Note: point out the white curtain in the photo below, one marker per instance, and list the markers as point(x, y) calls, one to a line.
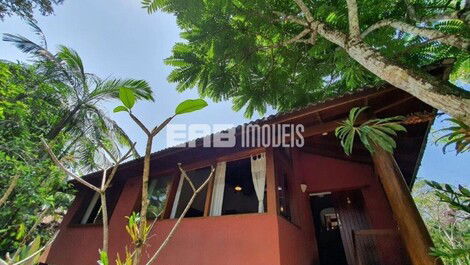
point(258, 172)
point(218, 192)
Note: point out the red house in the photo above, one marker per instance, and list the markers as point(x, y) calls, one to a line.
point(267, 205)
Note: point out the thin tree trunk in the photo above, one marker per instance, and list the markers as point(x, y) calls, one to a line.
point(104, 212)
point(11, 187)
point(144, 203)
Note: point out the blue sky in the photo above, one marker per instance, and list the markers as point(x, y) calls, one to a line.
point(117, 38)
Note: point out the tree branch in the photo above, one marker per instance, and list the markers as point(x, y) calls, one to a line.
point(157, 129)
point(67, 172)
point(449, 39)
point(290, 18)
point(305, 10)
point(116, 165)
point(11, 187)
point(191, 200)
point(353, 19)
point(185, 176)
point(138, 122)
point(298, 38)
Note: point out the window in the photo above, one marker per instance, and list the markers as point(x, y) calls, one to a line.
point(239, 191)
point(93, 212)
point(90, 211)
point(158, 194)
point(185, 192)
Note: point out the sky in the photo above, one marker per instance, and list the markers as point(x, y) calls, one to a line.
point(117, 38)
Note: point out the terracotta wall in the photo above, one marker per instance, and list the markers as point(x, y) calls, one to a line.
point(235, 239)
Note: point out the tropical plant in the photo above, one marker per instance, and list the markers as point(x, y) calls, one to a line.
point(83, 119)
point(29, 105)
point(373, 133)
point(458, 134)
point(25, 8)
point(289, 53)
point(128, 99)
point(446, 218)
point(458, 199)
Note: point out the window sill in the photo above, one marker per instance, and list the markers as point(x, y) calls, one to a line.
point(221, 216)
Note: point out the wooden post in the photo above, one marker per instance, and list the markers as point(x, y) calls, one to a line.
point(414, 234)
point(271, 192)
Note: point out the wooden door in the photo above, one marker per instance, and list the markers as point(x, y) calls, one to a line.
point(350, 208)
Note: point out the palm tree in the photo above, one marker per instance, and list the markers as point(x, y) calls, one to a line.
point(84, 122)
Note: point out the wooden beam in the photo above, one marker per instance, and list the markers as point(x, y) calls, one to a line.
point(411, 226)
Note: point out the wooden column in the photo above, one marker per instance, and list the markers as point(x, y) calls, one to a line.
point(271, 183)
point(414, 234)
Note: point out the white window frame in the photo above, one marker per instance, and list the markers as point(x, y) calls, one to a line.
point(177, 197)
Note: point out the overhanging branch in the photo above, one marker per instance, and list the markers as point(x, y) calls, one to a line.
point(449, 39)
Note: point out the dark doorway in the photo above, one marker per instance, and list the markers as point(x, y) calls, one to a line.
point(327, 230)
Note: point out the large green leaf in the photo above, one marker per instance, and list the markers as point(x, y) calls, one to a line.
point(190, 105)
point(120, 108)
point(127, 97)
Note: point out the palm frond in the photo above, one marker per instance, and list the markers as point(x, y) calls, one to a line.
point(38, 31)
point(74, 64)
point(457, 134)
point(110, 89)
point(27, 46)
point(372, 133)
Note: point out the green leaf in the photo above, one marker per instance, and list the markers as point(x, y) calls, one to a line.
point(103, 258)
point(190, 105)
point(21, 231)
point(127, 97)
point(120, 108)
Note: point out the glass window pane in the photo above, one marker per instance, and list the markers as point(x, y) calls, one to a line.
point(239, 192)
point(158, 194)
point(198, 177)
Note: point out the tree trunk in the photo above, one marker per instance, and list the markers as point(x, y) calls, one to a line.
point(144, 203)
point(62, 123)
point(411, 227)
point(436, 93)
point(104, 215)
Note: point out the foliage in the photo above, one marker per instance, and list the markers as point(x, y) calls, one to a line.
point(372, 133)
point(233, 49)
point(25, 8)
point(458, 199)
point(448, 225)
point(28, 107)
point(457, 134)
point(27, 255)
point(83, 119)
point(190, 105)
